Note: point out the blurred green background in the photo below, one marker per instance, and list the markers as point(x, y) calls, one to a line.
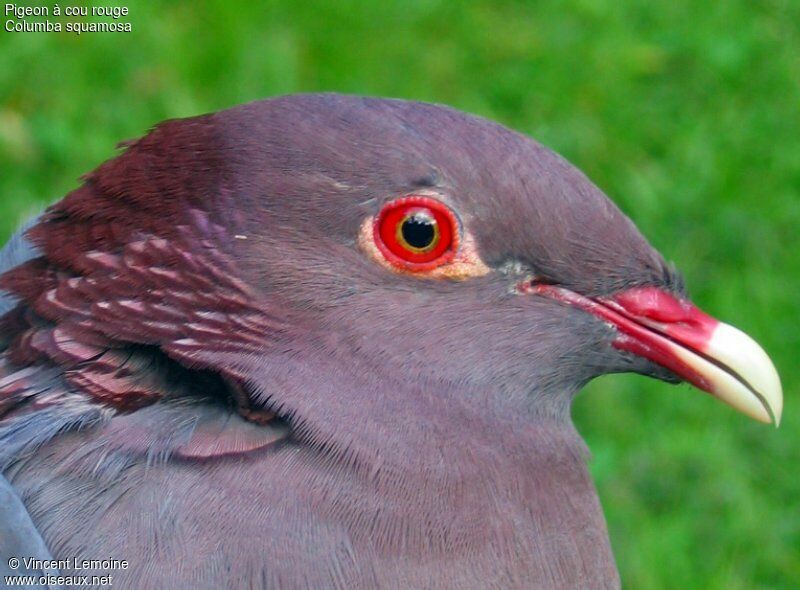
point(685, 113)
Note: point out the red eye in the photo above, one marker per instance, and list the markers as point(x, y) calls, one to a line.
point(417, 233)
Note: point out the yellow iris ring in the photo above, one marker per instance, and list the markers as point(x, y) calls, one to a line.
point(427, 217)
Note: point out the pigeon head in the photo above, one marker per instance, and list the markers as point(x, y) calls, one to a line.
point(367, 268)
point(524, 282)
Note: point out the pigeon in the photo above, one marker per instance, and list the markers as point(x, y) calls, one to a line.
point(328, 341)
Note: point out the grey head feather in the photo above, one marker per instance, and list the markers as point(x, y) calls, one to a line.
point(18, 250)
point(19, 538)
point(18, 535)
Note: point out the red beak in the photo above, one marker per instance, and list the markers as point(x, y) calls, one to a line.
point(698, 348)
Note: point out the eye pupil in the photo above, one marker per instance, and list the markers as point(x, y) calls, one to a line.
point(419, 230)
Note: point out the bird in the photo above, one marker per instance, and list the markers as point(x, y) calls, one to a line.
point(331, 341)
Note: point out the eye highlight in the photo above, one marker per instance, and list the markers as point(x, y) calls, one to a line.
point(416, 233)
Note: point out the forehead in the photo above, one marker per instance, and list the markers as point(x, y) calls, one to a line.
point(525, 203)
point(342, 157)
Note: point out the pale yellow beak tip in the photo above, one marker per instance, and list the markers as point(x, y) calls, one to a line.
point(742, 375)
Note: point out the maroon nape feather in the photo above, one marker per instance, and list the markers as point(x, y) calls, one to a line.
point(179, 293)
point(29, 280)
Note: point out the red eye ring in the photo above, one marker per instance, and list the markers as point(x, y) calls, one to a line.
point(416, 233)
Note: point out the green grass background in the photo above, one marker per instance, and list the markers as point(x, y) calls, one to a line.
point(684, 112)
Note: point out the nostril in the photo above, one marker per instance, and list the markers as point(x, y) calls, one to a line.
point(532, 283)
